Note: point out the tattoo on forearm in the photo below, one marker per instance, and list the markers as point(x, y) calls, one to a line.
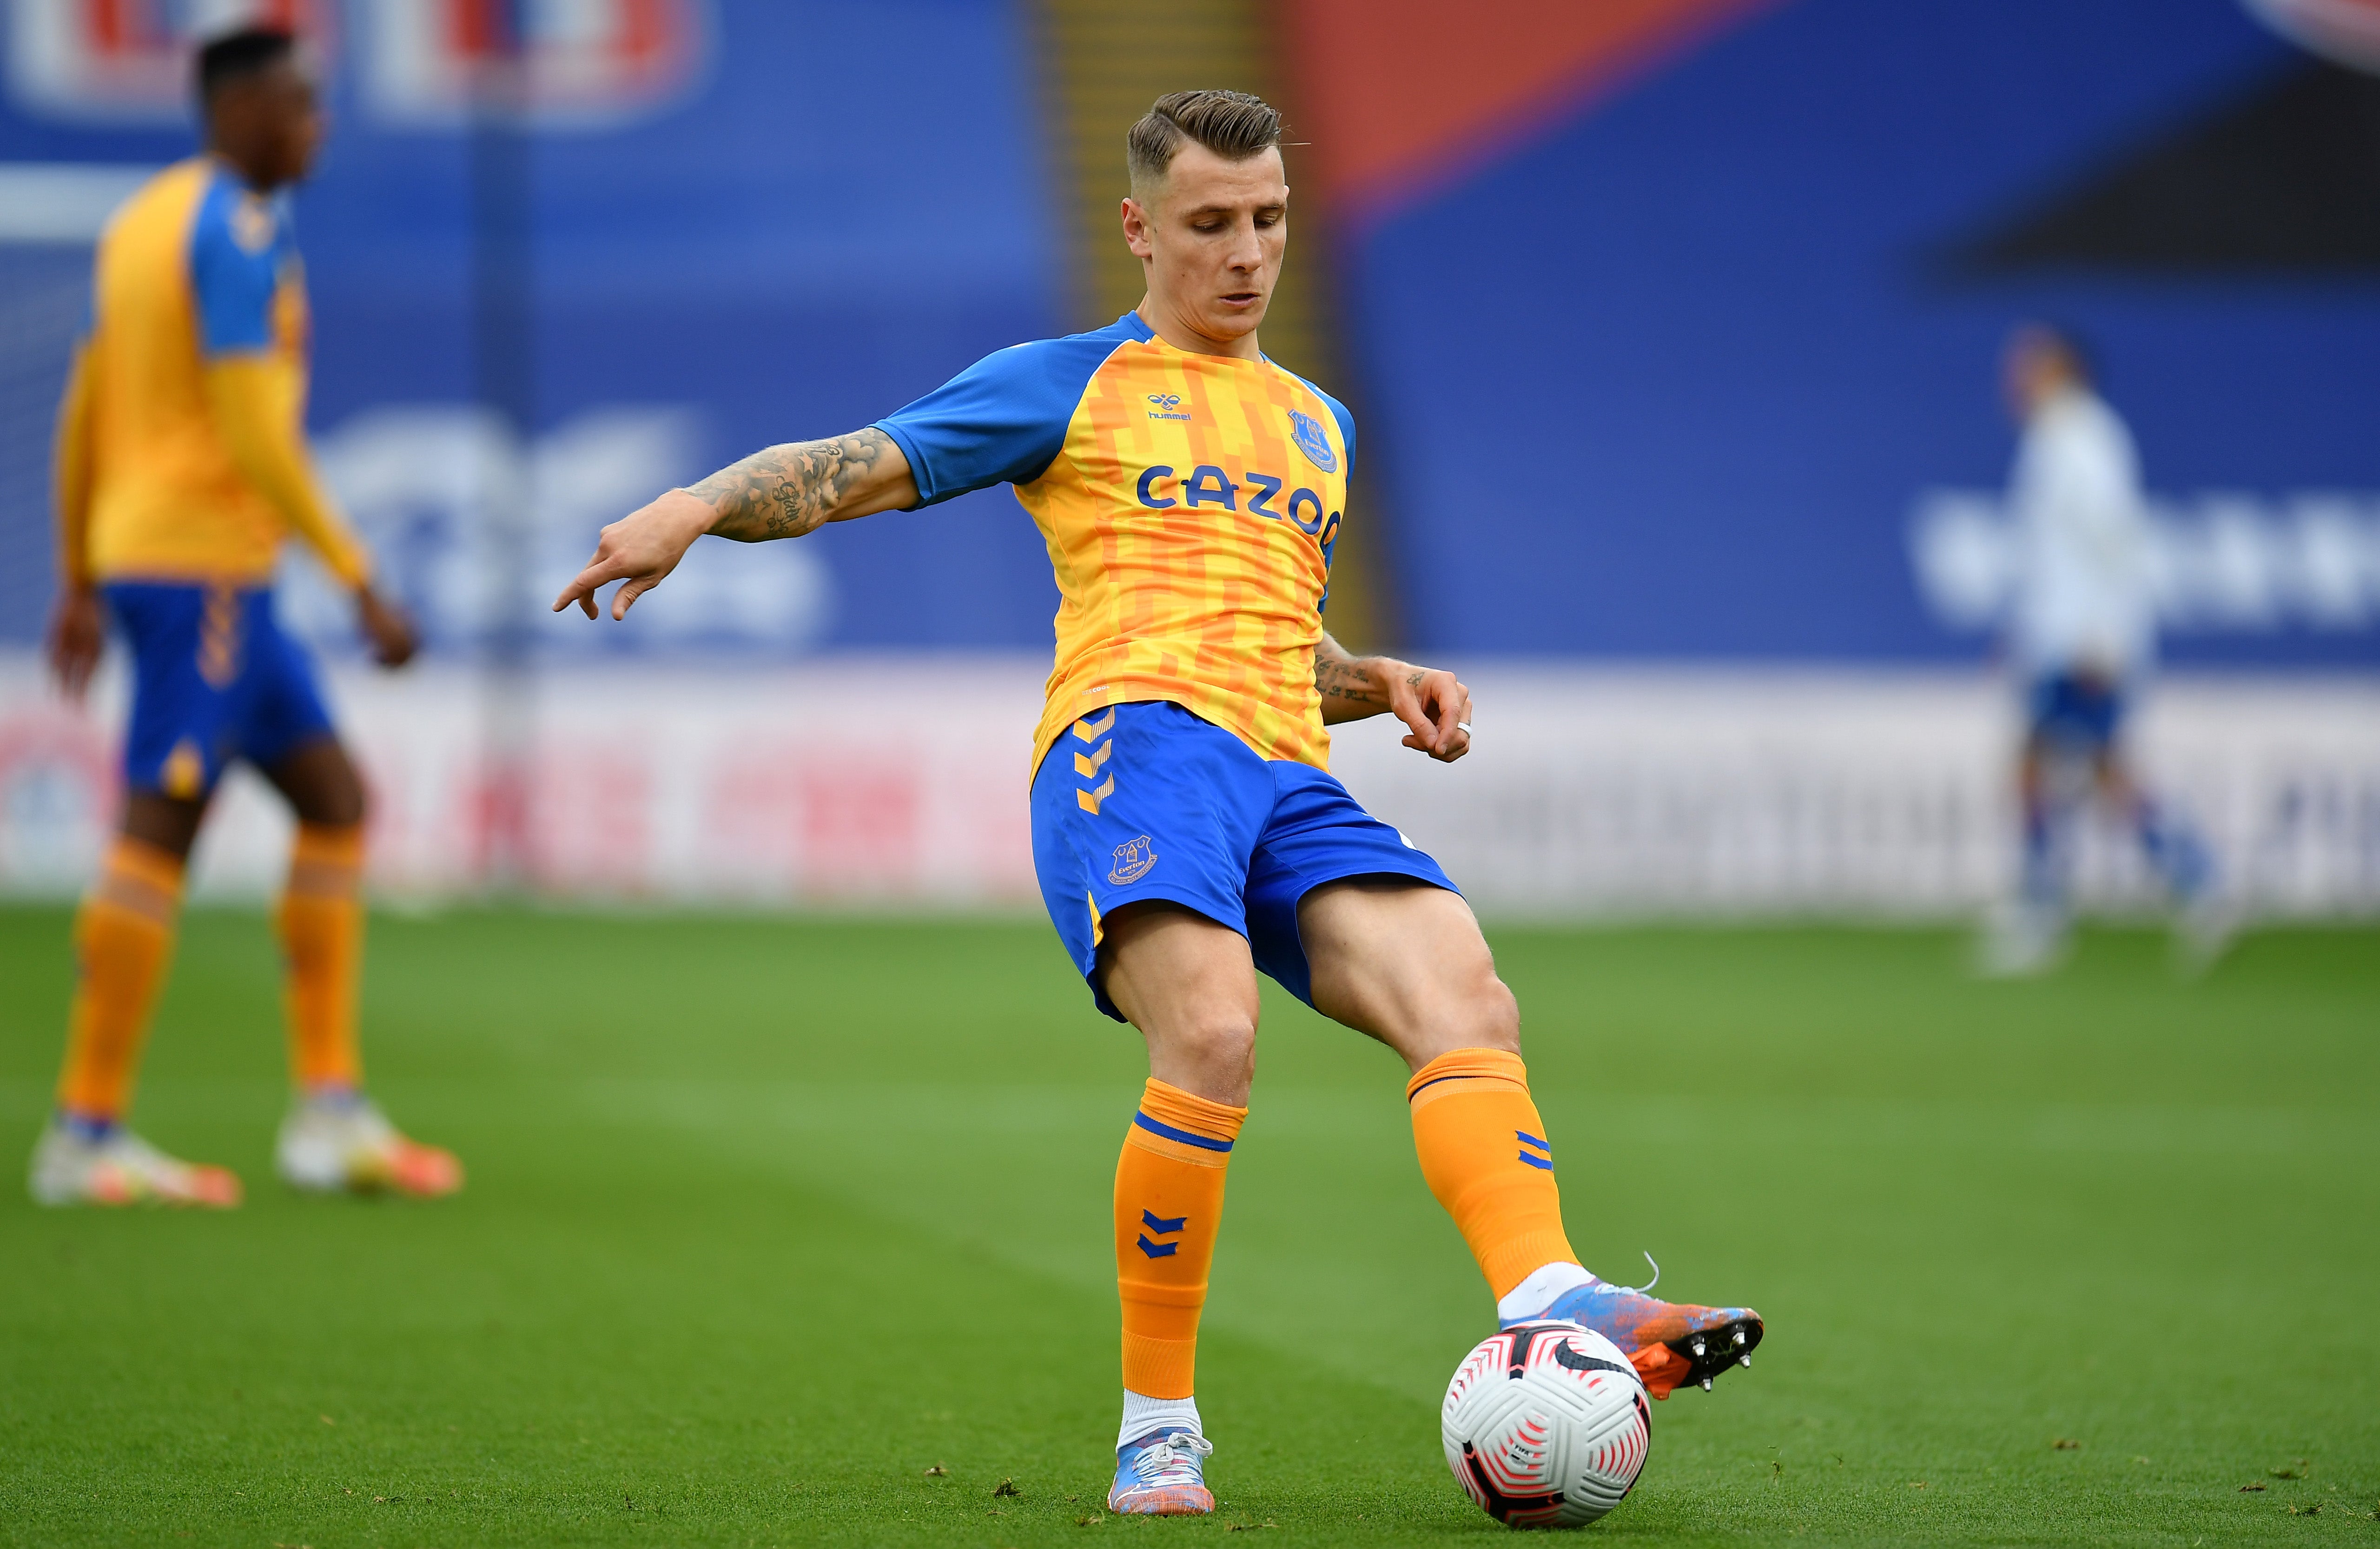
point(789, 490)
point(1344, 678)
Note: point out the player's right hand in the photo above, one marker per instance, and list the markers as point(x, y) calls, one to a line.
point(638, 550)
point(388, 627)
point(78, 636)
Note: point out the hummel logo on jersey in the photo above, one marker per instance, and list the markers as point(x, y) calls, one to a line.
point(1307, 431)
point(1166, 406)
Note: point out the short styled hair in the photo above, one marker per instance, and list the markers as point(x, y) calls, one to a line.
point(1233, 124)
point(237, 55)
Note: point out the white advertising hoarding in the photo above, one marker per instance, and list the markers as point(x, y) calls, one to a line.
point(903, 781)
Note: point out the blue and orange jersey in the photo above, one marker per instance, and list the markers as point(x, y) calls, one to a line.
point(1190, 505)
point(194, 272)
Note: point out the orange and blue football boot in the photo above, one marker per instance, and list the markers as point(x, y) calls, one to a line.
point(1164, 1474)
point(1669, 1342)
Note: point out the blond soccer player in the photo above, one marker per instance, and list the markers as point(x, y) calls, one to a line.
point(1187, 830)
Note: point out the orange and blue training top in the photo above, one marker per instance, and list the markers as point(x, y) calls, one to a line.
point(1190, 503)
point(195, 270)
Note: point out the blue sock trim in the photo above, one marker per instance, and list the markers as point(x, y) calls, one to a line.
point(1184, 1135)
point(89, 1129)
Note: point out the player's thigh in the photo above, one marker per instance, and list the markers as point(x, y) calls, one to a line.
point(319, 782)
point(285, 728)
point(1189, 984)
point(1405, 962)
point(167, 823)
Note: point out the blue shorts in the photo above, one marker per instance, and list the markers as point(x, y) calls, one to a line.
point(2073, 712)
point(214, 679)
point(1148, 801)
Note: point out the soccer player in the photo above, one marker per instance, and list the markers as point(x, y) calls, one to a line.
point(2081, 634)
point(1185, 831)
point(181, 466)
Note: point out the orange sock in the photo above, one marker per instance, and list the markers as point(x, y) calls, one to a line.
point(1169, 1200)
point(1483, 1151)
point(321, 923)
point(123, 937)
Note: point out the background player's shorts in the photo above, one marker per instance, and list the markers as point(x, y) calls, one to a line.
point(214, 679)
point(1148, 801)
point(2077, 713)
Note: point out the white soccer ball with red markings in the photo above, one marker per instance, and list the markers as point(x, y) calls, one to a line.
point(1545, 1425)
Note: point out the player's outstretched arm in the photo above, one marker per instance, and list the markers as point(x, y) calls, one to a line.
point(781, 493)
point(1434, 705)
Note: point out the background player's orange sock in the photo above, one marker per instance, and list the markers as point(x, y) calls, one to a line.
point(1484, 1153)
point(321, 923)
point(123, 937)
point(1169, 1200)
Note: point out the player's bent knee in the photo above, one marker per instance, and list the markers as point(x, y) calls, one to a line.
point(1499, 1025)
point(1224, 1040)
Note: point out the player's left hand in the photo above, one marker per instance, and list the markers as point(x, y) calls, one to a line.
point(78, 637)
point(388, 627)
point(1434, 705)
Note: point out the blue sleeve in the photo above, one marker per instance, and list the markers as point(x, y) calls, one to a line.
point(1000, 421)
point(1346, 423)
point(235, 269)
point(1346, 427)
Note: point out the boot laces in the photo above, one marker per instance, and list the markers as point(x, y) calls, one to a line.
point(1172, 1459)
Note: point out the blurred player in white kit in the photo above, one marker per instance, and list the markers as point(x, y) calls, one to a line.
point(2082, 636)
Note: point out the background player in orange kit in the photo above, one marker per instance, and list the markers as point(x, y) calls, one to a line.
point(1186, 833)
point(181, 468)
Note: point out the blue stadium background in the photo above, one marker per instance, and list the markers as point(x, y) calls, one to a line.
point(1660, 380)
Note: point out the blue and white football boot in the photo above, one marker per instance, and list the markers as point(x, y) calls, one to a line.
point(1164, 1474)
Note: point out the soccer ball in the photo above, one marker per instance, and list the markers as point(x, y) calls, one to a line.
point(1545, 1425)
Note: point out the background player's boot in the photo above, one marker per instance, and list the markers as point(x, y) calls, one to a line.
point(1669, 1342)
point(2020, 940)
point(1164, 1474)
point(2203, 930)
point(341, 1141)
point(73, 1166)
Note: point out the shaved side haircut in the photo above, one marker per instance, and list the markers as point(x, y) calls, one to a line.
point(1233, 124)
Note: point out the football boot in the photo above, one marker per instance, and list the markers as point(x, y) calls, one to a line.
point(76, 1164)
point(1669, 1342)
point(335, 1142)
point(1164, 1474)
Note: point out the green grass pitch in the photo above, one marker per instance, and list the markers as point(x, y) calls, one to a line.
point(768, 1218)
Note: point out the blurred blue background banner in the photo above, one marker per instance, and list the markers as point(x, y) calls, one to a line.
point(1701, 365)
point(776, 239)
point(1713, 345)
